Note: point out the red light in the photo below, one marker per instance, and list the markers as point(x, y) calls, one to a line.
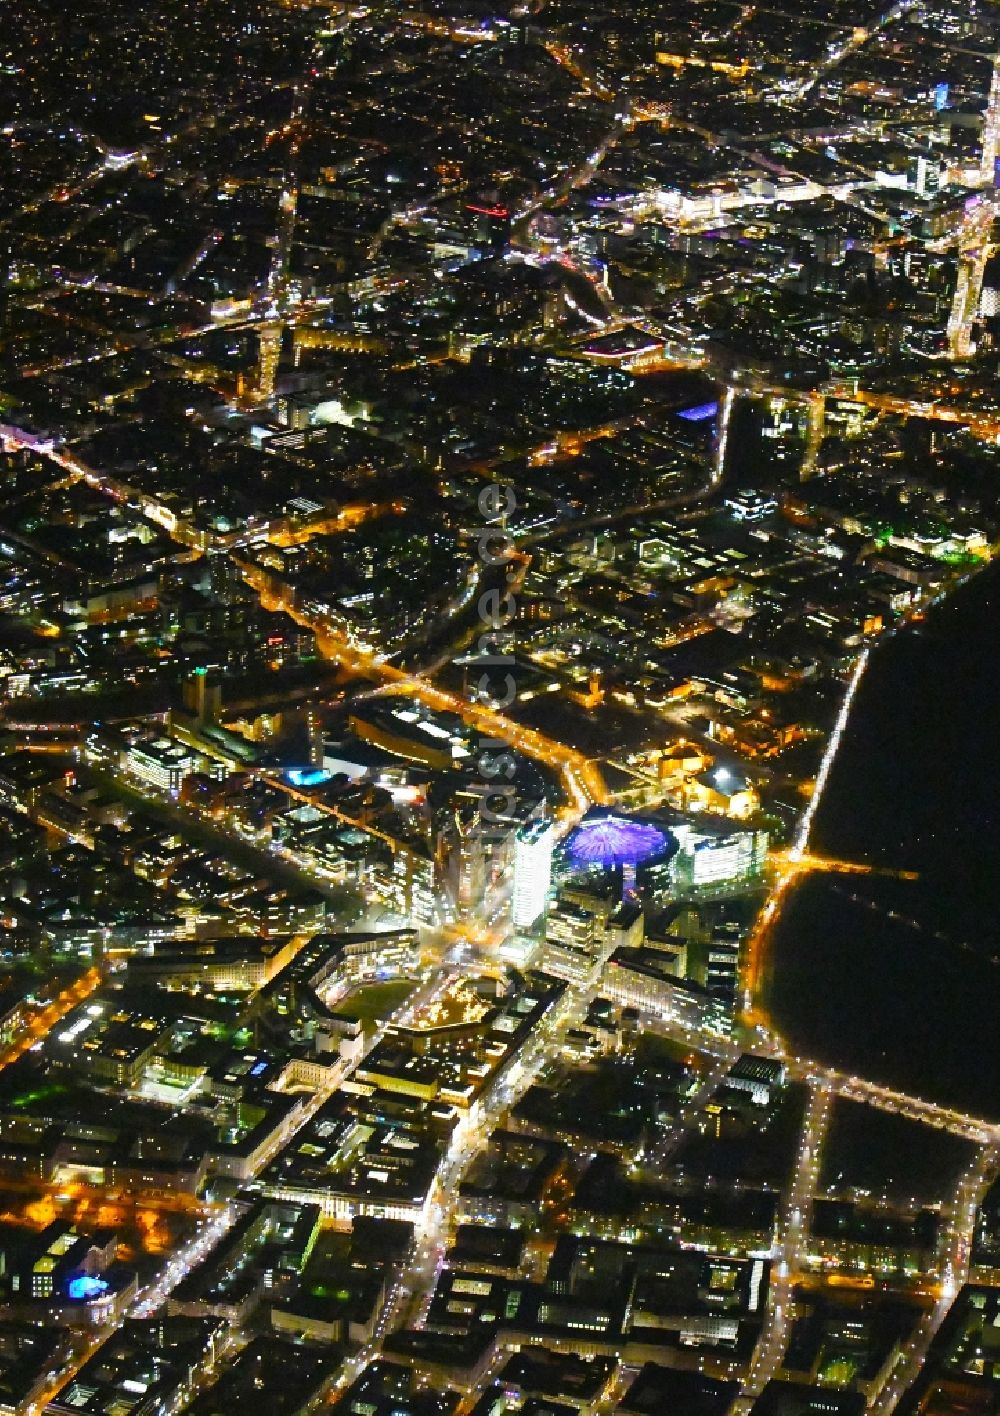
point(488, 211)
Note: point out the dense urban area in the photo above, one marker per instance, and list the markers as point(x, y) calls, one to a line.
point(463, 467)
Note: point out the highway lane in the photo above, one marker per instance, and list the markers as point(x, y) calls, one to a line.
point(788, 1249)
point(854, 42)
point(36, 1029)
point(147, 1301)
point(942, 1118)
point(581, 778)
point(955, 1243)
point(410, 1297)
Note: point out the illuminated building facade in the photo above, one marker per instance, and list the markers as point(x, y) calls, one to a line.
point(533, 847)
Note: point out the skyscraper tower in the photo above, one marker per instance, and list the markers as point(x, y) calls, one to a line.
point(533, 848)
point(491, 222)
point(6, 271)
point(991, 129)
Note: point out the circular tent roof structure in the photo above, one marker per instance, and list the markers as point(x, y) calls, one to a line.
point(607, 840)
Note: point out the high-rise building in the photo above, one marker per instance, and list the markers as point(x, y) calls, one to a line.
point(533, 848)
point(574, 941)
point(162, 763)
point(491, 224)
point(722, 960)
point(722, 858)
point(6, 271)
point(475, 860)
point(989, 300)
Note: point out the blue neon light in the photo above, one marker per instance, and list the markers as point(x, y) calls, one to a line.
point(307, 776)
point(699, 413)
point(611, 840)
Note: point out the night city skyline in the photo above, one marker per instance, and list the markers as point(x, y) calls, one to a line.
point(498, 686)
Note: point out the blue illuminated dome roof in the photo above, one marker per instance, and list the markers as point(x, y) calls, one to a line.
point(84, 1287)
point(700, 413)
point(608, 840)
point(307, 776)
